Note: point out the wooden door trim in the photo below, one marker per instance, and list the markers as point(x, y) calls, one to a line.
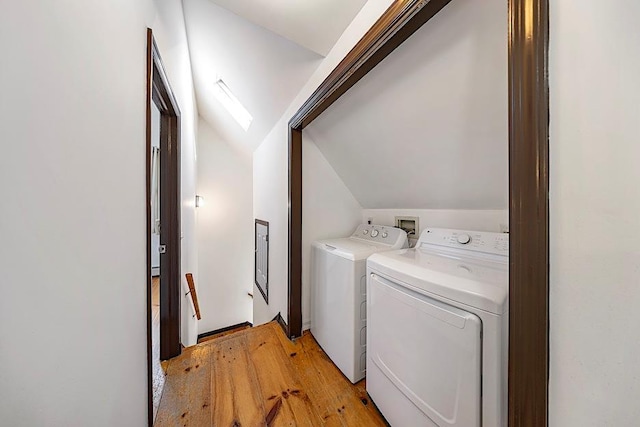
point(528, 212)
point(148, 145)
point(397, 23)
point(293, 325)
point(159, 92)
point(528, 44)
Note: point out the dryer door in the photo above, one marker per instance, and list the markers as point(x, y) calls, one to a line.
point(425, 358)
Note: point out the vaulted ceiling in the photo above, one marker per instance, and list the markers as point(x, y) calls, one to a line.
point(428, 127)
point(264, 50)
point(313, 24)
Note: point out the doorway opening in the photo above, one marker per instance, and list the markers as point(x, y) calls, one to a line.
point(527, 44)
point(162, 224)
point(158, 374)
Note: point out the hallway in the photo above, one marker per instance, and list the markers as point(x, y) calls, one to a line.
point(258, 377)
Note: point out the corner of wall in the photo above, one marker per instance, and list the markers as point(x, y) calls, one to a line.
point(270, 169)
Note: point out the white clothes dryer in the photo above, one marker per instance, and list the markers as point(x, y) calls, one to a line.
point(438, 330)
point(338, 293)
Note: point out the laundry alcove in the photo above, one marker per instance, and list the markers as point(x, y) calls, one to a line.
point(425, 134)
point(527, 118)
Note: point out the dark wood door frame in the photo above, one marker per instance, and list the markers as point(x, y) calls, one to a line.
point(159, 92)
point(528, 43)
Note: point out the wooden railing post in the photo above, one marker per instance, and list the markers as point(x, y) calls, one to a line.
point(194, 296)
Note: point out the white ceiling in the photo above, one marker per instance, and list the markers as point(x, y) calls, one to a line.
point(264, 50)
point(264, 70)
point(428, 127)
point(313, 24)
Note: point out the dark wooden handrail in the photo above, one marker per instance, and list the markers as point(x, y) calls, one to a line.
point(194, 296)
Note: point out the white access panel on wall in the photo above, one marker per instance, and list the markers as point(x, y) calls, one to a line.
point(446, 388)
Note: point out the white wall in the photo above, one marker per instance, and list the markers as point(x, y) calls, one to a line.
point(595, 211)
point(427, 128)
point(73, 312)
point(171, 36)
point(270, 182)
point(270, 204)
point(225, 232)
point(329, 210)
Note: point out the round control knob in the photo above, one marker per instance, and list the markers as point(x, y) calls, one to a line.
point(374, 233)
point(385, 234)
point(365, 231)
point(463, 239)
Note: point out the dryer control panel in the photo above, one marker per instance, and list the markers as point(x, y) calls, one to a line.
point(391, 236)
point(473, 241)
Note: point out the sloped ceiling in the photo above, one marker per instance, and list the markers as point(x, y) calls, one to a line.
point(428, 127)
point(264, 50)
point(313, 24)
point(264, 70)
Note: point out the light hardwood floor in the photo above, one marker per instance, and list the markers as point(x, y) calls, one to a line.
point(158, 379)
point(257, 377)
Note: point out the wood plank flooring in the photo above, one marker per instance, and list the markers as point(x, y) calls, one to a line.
point(158, 378)
point(257, 377)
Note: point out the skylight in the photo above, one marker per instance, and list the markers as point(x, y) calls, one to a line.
point(223, 94)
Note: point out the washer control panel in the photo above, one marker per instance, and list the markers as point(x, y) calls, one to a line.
point(381, 234)
point(477, 241)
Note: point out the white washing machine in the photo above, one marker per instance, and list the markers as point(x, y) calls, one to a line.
point(438, 330)
point(338, 293)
